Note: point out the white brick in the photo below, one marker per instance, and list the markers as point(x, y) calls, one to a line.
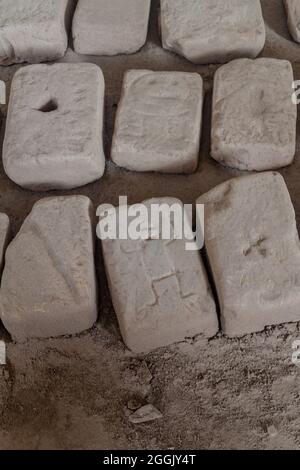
point(253, 249)
point(54, 126)
point(33, 30)
point(254, 118)
point(159, 290)
point(110, 27)
point(158, 123)
point(48, 284)
point(293, 12)
point(215, 31)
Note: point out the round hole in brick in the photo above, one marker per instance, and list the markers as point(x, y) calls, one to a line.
point(49, 107)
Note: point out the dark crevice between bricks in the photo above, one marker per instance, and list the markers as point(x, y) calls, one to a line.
point(212, 284)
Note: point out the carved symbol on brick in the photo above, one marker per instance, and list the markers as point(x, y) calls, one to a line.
point(2, 92)
point(2, 353)
point(296, 353)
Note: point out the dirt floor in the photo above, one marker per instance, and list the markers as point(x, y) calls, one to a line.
point(72, 392)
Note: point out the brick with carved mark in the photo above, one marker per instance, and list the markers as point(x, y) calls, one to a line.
point(293, 14)
point(254, 252)
point(158, 123)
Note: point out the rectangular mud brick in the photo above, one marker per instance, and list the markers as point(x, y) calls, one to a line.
point(159, 290)
point(33, 30)
point(158, 123)
point(253, 117)
point(253, 249)
point(206, 31)
point(110, 27)
point(49, 284)
point(293, 13)
point(54, 126)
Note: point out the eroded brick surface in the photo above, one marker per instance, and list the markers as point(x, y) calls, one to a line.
point(253, 248)
point(209, 31)
point(48, 285)
point(33, 30)
point(254, 117)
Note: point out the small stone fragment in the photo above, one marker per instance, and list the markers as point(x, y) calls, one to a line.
point(293, 13)
point(145, 414)
point(33, 30)
point(254, 118)
point(54, 126)
point(253, 249)
point(158, 123)
point(48, 284)
point(110, 27)
point(216, 31)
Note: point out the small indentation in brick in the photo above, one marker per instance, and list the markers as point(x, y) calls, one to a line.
point(49, 107)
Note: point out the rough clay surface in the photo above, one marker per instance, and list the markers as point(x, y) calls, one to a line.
point(158, 123)
point(253, 117)
point(253, 249)
point(4, 237)
point(33, 30)
point(54, 126)
point(293, 13)
point(102, 27)
point(212, 31)
point(50, 265)
point(155, 284)
point(73, 392)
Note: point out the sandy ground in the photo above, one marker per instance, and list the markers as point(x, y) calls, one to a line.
point(72, 393)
